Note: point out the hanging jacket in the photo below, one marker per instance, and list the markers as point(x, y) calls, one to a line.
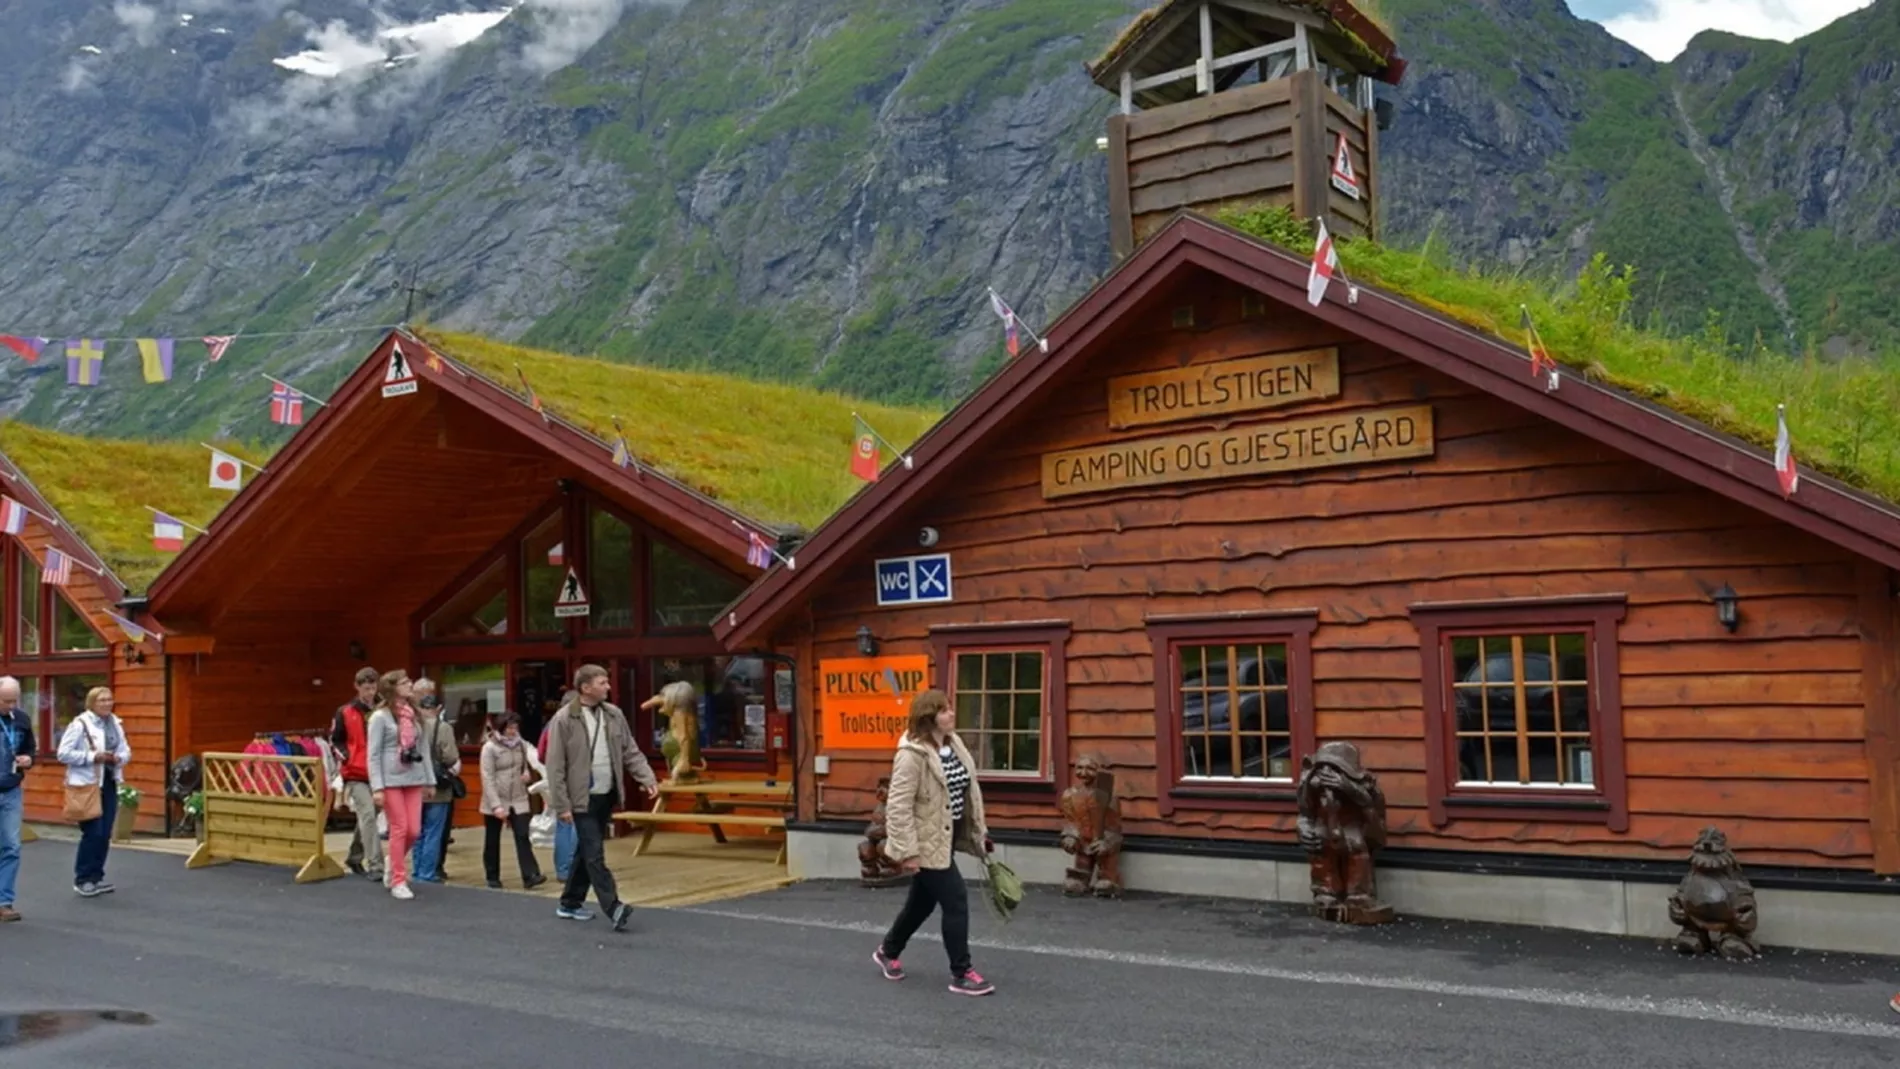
point(349, 733)
point(16, 739)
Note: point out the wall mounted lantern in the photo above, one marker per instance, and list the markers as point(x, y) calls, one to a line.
point(1726, 612)
point(867, 642)
point(132, 654)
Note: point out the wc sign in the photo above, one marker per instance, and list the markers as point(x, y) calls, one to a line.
point(913, 580)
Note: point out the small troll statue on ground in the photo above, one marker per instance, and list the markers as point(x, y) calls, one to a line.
point(1715, 903)
point(1342, 821)
point(874, 869)
point(1092, 831)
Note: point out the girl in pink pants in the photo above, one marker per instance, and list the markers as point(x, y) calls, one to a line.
point(400, 773)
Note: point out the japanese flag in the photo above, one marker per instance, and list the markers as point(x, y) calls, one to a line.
point(226, 472)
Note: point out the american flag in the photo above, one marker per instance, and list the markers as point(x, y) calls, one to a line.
point(58, 570)
point(758, 551)
point(286, 405)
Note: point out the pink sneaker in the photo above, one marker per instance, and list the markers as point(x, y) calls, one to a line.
point(971, 983)
point(893, 969)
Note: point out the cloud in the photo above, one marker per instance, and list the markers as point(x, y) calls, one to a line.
point(1662, 28)
point(141, 19)
point(76, 76)
point(565, 29)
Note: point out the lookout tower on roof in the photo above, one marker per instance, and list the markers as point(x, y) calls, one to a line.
point(1233, 103)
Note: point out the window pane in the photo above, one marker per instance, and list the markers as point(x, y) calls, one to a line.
point(69, 700)
point(470, 694)
point(543, 567)
point(1544, 677)
point(1236, 721)
point(731, 698)
point(71, 632)
point(997, 673)
point(610, 572)
point(479, 610)
point(28, 635)
point(39, 707)
point(685, 592)
point(999, 701)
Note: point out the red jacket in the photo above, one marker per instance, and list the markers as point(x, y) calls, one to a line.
point(350, 735)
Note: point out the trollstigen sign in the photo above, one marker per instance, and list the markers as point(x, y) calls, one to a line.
point(1330, 440)
point(1228, 386)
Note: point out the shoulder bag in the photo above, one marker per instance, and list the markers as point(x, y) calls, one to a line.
point(82, 803)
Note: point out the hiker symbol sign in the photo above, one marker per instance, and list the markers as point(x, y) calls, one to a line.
point(400, 377)
point(573, 600)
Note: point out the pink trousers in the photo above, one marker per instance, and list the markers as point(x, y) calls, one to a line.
point(404, 808)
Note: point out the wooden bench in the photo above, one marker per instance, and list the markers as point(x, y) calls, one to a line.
point(717, 815)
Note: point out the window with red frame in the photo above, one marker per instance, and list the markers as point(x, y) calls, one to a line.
point(1007, 684)
point(1523, 709)
point(1233, 707)
point(48, 645)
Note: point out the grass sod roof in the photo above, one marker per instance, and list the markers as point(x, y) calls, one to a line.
point(778, 453)
point(1843, 418)
point(101, 487)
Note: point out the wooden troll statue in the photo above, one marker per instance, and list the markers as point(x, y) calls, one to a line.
point(679, 704)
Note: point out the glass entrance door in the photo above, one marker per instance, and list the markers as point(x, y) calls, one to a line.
point(538, 687)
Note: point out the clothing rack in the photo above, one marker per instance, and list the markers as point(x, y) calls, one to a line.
point(292, 733)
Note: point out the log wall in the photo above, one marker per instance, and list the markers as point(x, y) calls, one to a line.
point(1761, 731)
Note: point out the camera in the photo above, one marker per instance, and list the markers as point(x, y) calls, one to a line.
point(410, 755)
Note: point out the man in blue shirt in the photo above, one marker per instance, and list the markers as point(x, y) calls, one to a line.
point(17, 748)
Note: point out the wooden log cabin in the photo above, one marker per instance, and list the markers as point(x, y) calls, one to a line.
point(88, 498)
point(430, 518)
point(1214, 526)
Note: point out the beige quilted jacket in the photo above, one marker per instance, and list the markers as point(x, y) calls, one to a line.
point(917, 813)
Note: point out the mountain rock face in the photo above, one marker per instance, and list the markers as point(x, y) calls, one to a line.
point(822, 190)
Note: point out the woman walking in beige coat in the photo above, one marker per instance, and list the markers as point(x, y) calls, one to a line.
point(935, 807)
point(506, 770)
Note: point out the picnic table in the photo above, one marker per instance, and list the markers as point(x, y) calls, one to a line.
point(713, 805)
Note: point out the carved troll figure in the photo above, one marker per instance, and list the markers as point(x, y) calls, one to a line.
point(1715, 903)
point(680, 706)
point(875, 869)
point(1342, 821)
point(1092, 831)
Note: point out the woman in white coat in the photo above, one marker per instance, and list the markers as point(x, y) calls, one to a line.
point(95, 751)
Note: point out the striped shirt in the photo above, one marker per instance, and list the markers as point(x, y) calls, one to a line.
point(957, 778)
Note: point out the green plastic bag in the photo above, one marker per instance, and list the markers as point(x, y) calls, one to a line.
point(1002, 888)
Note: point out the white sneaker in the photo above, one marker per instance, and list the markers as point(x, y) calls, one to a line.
point(401, 891)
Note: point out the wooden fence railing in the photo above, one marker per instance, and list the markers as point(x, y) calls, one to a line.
point(267, 808)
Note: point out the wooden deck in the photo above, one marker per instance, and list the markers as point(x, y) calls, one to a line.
point(679, 869)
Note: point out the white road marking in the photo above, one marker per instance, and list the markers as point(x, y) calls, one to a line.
point(1681, 1008)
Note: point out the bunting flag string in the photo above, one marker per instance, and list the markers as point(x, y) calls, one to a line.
point(86, 355)
point(760, 551)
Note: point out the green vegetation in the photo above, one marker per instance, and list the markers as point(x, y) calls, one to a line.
point(103, 485)
point(997, 52)
point(1844, 417)
point(777, 452)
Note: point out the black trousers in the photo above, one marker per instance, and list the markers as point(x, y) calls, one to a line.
point(929, 889)
point(590, 856)
point(524, 850)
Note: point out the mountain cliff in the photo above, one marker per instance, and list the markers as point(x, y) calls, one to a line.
point(821, 190)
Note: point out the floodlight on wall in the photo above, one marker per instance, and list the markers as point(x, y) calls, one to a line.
point(1727, 611)
point(867, 642)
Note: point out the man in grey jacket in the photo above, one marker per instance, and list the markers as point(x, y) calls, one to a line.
point(591, 755)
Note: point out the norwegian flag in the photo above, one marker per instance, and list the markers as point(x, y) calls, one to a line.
point(1785, 469)
point(286, 405)
point(216, 344)
point(1012, 339)
point(758, 551)
point(58, 570)
point(1325, 266)
point(12, 516)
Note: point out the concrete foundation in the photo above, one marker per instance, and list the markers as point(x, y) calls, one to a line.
point(1810, 920)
